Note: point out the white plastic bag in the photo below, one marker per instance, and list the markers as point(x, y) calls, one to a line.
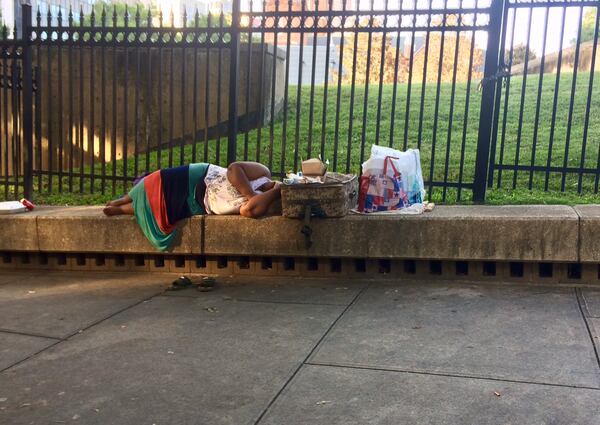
point(410, 181)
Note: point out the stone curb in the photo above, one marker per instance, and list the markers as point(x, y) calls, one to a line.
point(508, 233)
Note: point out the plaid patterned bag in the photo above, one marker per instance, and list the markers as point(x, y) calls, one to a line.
point(382, 191)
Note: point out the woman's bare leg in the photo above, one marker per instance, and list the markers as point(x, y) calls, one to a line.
point(119, 209)
point(121, 201)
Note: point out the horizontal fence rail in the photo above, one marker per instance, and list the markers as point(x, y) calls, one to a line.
point(121, 91)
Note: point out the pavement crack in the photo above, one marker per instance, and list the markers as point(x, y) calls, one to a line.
point(36, 335)
point(448, 375)
point(79, 331)
point(308, 356)
point(584, 315)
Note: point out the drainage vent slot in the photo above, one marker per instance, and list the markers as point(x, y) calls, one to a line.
point(289, 264)
point(545, 269)
point(516, 269)
point(489, 268)
point(100, 260)
point(410, 267)
point(61, 259)
point(119, 260)
point(336, 265)
point(25, 258)
point(244, 263)
point(435, 267)
point(462, 268)
point(574, 271)
point(385, 266)
point(201, 262)
point(139, 261)
point(266, 263)
point(159, 261)
point(6, 257)
point(43, 258)
point(312, 264)
point(179, 261)
point(80, 259)
point(360, 265)
point(221, 262)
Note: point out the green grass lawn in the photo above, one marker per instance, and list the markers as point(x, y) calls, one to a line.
point(301, 140)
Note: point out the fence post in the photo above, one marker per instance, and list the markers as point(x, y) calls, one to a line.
point(27, 84)
point(488, 95)
point(234, 71)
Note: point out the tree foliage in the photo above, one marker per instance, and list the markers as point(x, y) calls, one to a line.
point(434, 52)
point(587, 26)
point(518, 55)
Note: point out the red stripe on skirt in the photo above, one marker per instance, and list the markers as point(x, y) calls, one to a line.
point(156, 199)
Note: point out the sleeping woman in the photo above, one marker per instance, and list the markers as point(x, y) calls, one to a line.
point(166, 196)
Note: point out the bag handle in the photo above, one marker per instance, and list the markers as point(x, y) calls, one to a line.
point(388, 159)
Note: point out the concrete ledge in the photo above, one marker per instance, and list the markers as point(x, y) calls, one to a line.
point(505, 233)
point(280, 236)
point(518, 233)
point(86, 229)
point(589, 233)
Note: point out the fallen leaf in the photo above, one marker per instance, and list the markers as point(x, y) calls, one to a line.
point(25, 405)
point(211, 309)
point(170, 352)
point(75, 417)
point(496, 393)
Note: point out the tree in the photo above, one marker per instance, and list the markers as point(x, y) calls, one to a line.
point(389, 58)
point(587, 26)
point(519, 54)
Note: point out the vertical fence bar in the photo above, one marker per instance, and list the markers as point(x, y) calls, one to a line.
point(234, 73)
point(555, 101)
point(588, 103)
point(572, 100)
point(27, 79)
point(424, 80)
point(496, 121)
point(261, 95)
point(299, 88)
point(340, 71)
point(195, 86)
point(61, 147)
point(396, 73)
point(506, 97)
point(71, 139)
point(367, 81)
point(467, 109)
point(522, 104)
point(487, 100)
point(125, 96)
point(326, 84)
point(437, 109)
point(81, 103)
point(171, 88)
point(49, 126)
point(248, 83)
point(539, 98)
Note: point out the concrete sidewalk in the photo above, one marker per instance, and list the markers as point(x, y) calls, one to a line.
point(95, 348)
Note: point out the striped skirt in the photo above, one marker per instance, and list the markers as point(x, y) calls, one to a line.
point(166, 196)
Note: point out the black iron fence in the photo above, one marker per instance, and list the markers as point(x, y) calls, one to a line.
point(89, 102)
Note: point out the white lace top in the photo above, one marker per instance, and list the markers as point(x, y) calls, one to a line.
point(221, 196)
